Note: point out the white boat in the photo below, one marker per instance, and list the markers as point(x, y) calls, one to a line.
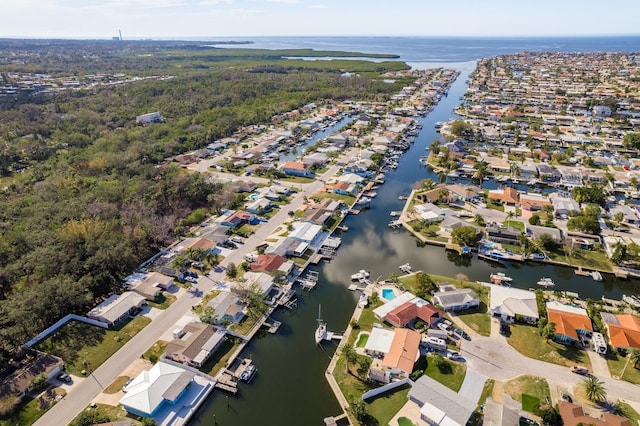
point(360, 275)
point(546, 282)
point(406, 268)
point(500, 277)
point(364, 300)
point(597, 276)
point(321, 331)
point(631, 300)
point(249, 370)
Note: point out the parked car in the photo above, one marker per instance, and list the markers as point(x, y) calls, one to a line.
point(64, 377)
point(566, 397)
point(191, 280)
point(579, 369)
point(124, 387)
point(537, 256)
point(237, 240)
point(454, 356)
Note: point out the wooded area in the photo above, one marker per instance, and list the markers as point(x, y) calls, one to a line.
point(85, 199)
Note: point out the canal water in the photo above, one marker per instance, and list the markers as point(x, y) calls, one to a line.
point(290, 387)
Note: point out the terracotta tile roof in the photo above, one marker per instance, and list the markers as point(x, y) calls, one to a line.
point(567, 323)
point(404, 314)
point(627, 333)
point(573, 415)
point(294, 165)
point(404, 350)
point(267, 263)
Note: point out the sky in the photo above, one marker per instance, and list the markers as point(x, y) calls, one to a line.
point(252, 18)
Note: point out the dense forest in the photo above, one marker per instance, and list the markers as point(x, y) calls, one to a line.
point(84, 196)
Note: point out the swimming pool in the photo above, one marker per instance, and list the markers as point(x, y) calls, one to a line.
point(388, 294)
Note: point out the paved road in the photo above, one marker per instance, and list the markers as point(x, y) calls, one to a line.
point(82, 394)
point(494, 358)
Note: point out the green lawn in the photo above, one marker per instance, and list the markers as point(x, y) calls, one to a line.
point(630, 413)
point(103, 411)
point(86, 347)
point(526, 340)
point(116, 385)
point(403, 421)
point(163, 301)
point(220, 357)
point(514, 224)
point(495, 205)
point(30, 409)
point(452, 375)
point(297, 179)
point(385, 406)
point(588, 259)
point(616, 364)
point(156, 350)
point(347, 199)
point(244, 326)
point(529, 390)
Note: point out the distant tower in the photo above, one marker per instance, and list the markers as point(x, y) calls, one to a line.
point(120, 32)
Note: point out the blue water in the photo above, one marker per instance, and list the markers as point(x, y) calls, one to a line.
point(388, 294)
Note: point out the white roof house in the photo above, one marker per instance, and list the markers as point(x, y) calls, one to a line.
point(116, 307)
point(262, 281)
point(507, 302)
point(381, 311)
point(306, 232)
point(150, 389)
point(379, 341)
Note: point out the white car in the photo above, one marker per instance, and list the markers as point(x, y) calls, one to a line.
point(191, 280)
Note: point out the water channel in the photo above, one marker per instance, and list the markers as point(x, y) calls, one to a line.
point(290, 387)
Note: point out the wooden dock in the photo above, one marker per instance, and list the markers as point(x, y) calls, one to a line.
point(581, 272)
point(455, 247)
point(272, 325)
point(227, 382)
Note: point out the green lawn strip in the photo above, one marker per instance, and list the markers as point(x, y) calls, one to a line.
point(163, 301)
point(156, 350)
point(526, 340)
point(514, 224)
point(31, 409)
point(297, 179)
point(529, 390)
point(220, 357)
point(617, 362)
point(487, 390)
point(403, 421)
point(116, 385)
point(629, 412)
point(244, 326)
point(383, 407)
point(104, 413)
point(451, 376)
point(86, 347)
point(347, 199)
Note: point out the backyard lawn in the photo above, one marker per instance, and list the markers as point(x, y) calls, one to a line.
point(220, 357)
point(86, 347)
point(529, 390)
point(104, 413)
point(362, 340)
point(449, 373)
point(30, 409)
point(384, 407)
point(526, 340)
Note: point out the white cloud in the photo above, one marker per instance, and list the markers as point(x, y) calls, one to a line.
point(318, 6)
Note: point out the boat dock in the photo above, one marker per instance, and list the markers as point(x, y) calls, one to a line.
point(395, 213)
point(227, 382)
point(581, 272)
point(245, 370)
point(395, 224)
point(309, 281)
point(272, 325)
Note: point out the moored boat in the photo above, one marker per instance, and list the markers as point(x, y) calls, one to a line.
point(321, 330)
point(360, 275)
point(597, 276)
point(546, 282)
point(406, 268)
point(500, 278)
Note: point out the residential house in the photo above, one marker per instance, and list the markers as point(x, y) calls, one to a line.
point(533, 202)
point(228, 308)
point(535, 231)
point(405, 309)
point(501, 414)
point(17, 376)
point(437, 194)
point(152, 389)
point(238, 218)
point(351, 178)
point(623, 330)
point(502, 234)
point(345, 188)
point(399, 359)
point(629, 214)
point(117, 308)
point(256, 281)
point(307, 233)
point(573, 415)
point(270, 263)
point(287, 247)
point(572, 323)
point(511, 304)
point(194, 344)
point(215, 234)
point(454, 299)
point(379, 342)
point(152, 117)
point(315, 159)
point(259, 206)
point(464, 192)
point(201, 242)
point(452, 222)
point(507, 196)
point(439, 405)
point(548, 173)
point(297, 168)
point(563, 206)
point(430, 212)
point(152, 285)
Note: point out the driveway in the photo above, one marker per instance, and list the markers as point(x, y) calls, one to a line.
point(472, 386)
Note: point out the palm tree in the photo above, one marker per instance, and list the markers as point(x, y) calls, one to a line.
point(634, 357)
point(349, 354)
point(510, 215)
point(481, 172)
point(594, 389)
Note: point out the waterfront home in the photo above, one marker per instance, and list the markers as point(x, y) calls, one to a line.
point(351, 178)
point(315, 159)
point(563, 206)
point(506, 196)
point(287, 247)
point(437, 194)
point(548, 173)
point(405, 309)
point(194, 344)
point(623, 330)
point(152, 285)
point(306, 232)
point(464, 192)
point(17, 377)
point(438, 404)
point(345, 188)
point(511, 304)
point(450, 298)
point(270, 263)
point(151, 390)
point(228, 308)
point(572, 323)
point(399, 358)
point(535, 231)
point(502, 234)
point(430, 213)
point(451, 222)
point(117, 308)
point(255, 281)
point(297, 168)
point(379, 342)
point(574, 415)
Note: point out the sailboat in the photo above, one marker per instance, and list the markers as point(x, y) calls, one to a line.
point(321, 331)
